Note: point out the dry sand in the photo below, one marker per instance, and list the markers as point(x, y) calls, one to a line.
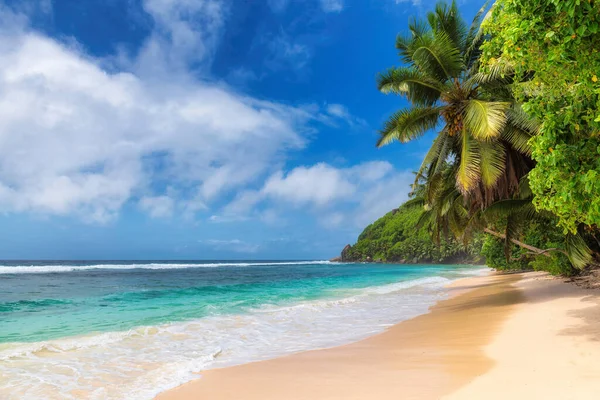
point(549, 348)
point(504, 336)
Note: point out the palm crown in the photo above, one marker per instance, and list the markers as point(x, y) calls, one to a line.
point(480, 129)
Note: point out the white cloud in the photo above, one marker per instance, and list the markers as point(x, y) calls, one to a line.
point(381, 197)
point(371, 172)
point(218, 219)
point(184, 31)
point(80, 139)
point(357, 195)
point(158, 207)
point(332, 5)
point(340, 112)
point(236, 245)
point(320, 184)
point(77, 138)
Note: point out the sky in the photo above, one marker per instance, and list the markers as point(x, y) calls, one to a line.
point(198, 129)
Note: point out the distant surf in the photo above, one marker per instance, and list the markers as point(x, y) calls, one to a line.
point(45, 269)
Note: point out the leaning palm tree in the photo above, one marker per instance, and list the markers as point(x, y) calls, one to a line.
point(478, 125)
point(446, 212)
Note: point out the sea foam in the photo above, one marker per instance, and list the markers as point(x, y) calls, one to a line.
point(45, 269)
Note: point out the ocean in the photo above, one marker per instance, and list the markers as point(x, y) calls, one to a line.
point(131, 329)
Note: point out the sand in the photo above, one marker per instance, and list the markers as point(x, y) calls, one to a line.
point(549, 348)
point(503, 336)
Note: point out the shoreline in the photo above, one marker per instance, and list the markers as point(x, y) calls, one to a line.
point(464, 348)
point(301, 375)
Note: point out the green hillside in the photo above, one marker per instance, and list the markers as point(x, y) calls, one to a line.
point(394, 238)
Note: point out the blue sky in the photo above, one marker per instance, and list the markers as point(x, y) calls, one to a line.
point(197, 129)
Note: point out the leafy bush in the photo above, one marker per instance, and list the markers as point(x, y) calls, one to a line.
point(542, 234)
point(554, 48)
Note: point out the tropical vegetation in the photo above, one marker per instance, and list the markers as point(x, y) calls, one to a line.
point(555, 54)
point(393, 238)
point(515, 106)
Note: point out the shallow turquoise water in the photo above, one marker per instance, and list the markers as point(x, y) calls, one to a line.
point(43, 306)
point(174, 318)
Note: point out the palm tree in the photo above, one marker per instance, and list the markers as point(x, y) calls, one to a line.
point(479, 127)
point(445, 212)
point(474, 176)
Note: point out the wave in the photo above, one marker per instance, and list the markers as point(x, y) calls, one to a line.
point(430, 282)
point(475, 272)
point(47, 269)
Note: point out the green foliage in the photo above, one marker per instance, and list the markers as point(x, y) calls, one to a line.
point(541, 233)
point(517, 149)
point(480, 128)
point(394, 237)
point(553, 48)
point(493, 251)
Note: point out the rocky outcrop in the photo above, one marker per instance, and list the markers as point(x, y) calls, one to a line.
point(345, 256)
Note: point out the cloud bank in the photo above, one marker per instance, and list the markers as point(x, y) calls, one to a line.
point(84, 136)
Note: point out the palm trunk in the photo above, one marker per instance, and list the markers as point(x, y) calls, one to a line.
point(523, 245)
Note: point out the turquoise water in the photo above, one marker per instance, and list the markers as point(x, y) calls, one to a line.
point(127, 329)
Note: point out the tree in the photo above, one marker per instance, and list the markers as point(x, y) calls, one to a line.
point(480, 126)
point(557, 47)
point(475, 177)
point(513, 220)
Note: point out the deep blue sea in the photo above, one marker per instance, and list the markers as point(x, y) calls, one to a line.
point(130, 329)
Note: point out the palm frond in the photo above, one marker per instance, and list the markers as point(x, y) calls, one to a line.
point(475, 31)
point(404, 42)
point(409, 82)
point(446, 199)
point(444, 153)
point(520, 119)
point(499, 74)
point(437, 56)
point(578, 251)
point(525, 191)
point(485, 119)
point(523, 208)
point(467, 175)
point(517, 138)
point(475, 38)
point(406, 125)
point(446, 18)
point(417, 202)
point(457, 219)
point(492, 165)
point(425, 219)
point(417, 27)
point(436, 155)
point(435, 185)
